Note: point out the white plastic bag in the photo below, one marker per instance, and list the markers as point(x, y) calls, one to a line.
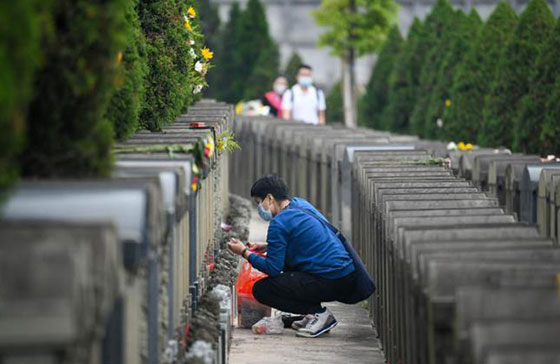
point(269, 326)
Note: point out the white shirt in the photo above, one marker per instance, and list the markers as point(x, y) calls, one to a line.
point(305, 106)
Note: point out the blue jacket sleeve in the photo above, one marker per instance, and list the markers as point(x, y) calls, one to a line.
point(273, 263)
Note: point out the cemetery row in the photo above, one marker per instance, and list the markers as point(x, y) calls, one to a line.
point(462, 244)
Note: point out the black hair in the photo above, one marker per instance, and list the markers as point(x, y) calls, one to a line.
point(305, 66)
point(272, 184)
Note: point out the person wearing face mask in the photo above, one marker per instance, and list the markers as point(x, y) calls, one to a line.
point(306, 262)
point(273, 99)
point(304, 101)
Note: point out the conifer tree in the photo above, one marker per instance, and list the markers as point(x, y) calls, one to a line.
point(403, 81)
point(229, 84)
point(463, 118)
point(438, 25)
point(459, 40)
point(292, 68)
point(531, 117)
point(512, 82)
point(375, 100)
point(550, 133)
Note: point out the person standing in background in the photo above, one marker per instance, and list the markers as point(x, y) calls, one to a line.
point(304, 101)
point(273, 99)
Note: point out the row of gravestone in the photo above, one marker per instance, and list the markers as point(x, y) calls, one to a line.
point(107, 270)
point(460, 278)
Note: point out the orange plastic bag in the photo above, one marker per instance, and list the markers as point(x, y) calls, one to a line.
point(249, 309)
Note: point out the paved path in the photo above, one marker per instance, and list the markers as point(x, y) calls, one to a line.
point(353, 341)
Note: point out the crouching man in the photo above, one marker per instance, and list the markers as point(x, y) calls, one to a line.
point(306, 262)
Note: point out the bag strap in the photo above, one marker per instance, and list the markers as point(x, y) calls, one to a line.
point(325, 222)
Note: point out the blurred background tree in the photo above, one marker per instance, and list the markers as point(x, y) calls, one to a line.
point(352, 33)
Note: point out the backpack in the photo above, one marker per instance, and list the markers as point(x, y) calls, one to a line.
point(318, 91)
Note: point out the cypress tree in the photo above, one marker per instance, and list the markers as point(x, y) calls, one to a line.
point(550, 133)
point(169, 61)
point(531, 117)
point(264, 73)
point(254, 39)
point(459, 41)
point(375, 99)
point(438, 25)
point(68, 134)
point(126, 104)
point(512, 82)
point(335, 106)
point(229, 83)
point(463, 118)
point(403, 82)
point(292, 68)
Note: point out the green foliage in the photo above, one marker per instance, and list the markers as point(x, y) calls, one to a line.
point(512, 81)
point(210, 27)
point(20, 29)
point(375, 99)
point(550, 133)
point(335, 105)
point(264, 72)
point(247, 58)
point(474, 74)
point(439, 27)
point(67, 132)
point(364, 30)
point(292, 68)
point(403, 81)
point(126, 104)
point(458, 41)
point(168, 58)
point(255, 41)
point(228, 85)
point(529, 122)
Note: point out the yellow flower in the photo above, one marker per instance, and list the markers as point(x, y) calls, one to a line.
point(207, 54)
point(119, 58)
point(461, 146)
point(188, 25)
point(447, 103)
point(191, 12)
point(469, 146)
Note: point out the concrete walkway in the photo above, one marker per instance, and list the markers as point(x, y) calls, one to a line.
point(353, 341)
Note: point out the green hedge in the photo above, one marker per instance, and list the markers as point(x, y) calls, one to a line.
point(67, 132)
point(168, 58)
point(128, 100)
point(21, 24)
point(335, 104)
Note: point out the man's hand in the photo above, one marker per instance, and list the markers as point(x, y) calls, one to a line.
point(236, 246)
point(259, 247)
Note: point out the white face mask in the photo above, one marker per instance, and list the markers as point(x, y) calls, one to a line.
point(305, 81)
point(279, 88)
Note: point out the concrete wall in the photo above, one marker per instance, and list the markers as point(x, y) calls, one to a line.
point(293, 27)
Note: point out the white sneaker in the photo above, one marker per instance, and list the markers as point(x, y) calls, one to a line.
point(320, 324)
point(300, 324)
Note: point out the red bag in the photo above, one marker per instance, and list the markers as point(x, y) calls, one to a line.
point(249, 309)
